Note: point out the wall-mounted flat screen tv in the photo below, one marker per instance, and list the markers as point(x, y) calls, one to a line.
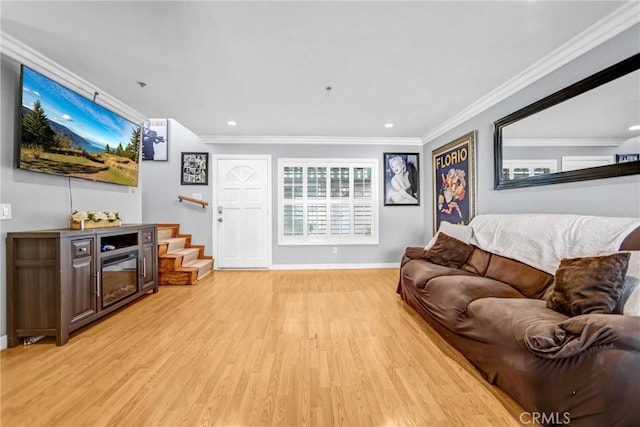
point(63, 133)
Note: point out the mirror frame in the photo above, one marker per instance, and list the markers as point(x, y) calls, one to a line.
point(619, 169)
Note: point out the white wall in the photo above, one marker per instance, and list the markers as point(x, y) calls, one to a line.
point(41, 201)
point(608, 197)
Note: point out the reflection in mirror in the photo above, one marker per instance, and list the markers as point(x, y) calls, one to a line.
point(581, 132)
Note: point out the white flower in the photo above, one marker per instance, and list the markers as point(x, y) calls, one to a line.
point(99, 216)
point(79, 216)
point(95, 216)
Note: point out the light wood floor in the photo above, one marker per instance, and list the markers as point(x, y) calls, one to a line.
point(254, 348)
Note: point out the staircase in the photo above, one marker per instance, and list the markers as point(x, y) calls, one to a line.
point(180, 262)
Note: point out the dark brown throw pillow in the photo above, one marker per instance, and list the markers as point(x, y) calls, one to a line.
point(588, 285)
point(413, 252)
point(448, 251)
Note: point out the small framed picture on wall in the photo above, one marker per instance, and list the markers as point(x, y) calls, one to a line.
point(195, 169)
point(154, 139)
point(401, 179)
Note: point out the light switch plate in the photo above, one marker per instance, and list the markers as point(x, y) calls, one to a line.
point(5, 211)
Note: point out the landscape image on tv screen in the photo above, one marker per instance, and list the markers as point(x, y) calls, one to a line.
point(64, 133)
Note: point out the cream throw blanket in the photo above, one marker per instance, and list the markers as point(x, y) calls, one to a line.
point(542, 240)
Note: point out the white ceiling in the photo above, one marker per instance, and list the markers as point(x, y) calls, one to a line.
point(266, 64)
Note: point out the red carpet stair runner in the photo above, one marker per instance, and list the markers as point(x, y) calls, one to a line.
point(180, 262)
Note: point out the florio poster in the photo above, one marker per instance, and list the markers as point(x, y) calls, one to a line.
point(454, 181)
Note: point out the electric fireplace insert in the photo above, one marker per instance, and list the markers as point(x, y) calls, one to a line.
point(119, 277)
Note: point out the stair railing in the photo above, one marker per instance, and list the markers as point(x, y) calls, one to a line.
point(192, 200)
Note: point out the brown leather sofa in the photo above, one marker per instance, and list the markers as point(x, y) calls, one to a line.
point(486, 308)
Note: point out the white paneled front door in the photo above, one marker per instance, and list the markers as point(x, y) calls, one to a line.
point(242, 213)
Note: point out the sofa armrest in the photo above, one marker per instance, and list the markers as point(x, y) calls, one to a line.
point(412, 252)
point(577, 334)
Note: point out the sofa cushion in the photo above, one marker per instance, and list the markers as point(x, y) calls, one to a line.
point(457, 231)
point(447, 298)
point(528, 280)
point(589, 284)
point(477, 262)
point(449, 251)
point(418, 272)
point(504, 321)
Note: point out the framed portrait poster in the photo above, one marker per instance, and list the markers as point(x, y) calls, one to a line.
point(154, 139)
point(454, 186)
point(401, 179)
point(195, 169)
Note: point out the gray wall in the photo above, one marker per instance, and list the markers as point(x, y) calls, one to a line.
point(608, 197)
point(399, 226)
point(162, 187)
point(41, 201)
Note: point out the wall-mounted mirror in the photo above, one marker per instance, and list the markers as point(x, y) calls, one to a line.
point(588, 130)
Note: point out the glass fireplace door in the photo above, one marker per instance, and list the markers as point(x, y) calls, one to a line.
point(119, 277)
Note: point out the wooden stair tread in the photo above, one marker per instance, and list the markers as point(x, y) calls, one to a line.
point(198, 263)
point(173, 239)
point(184, 251)
point(164, 234)
point(175, 243)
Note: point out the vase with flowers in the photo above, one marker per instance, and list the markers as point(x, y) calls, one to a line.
point(94, 219)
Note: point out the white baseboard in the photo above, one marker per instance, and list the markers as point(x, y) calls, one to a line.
point(3, 342)
point(333, 266)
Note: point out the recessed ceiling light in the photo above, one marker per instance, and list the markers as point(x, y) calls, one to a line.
point(231, 123)
point(636, 127)
point(388, 125)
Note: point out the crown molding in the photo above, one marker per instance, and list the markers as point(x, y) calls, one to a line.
point(563, 142)
point(608, 27)
point(315, 140)
point(15, 49)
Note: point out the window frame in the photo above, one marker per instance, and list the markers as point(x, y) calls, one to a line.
point(328, 163)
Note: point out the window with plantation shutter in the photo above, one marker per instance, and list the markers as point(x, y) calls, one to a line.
point(327, 201)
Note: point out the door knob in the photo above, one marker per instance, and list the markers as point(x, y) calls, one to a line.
point(219, 219)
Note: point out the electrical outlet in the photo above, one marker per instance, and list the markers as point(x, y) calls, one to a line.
point(335, 250)
point(5, 211)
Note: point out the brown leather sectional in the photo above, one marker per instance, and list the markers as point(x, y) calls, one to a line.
point(488, 309)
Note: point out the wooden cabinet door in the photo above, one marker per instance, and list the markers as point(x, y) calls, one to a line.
point(149, 260)
point(83, 301)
